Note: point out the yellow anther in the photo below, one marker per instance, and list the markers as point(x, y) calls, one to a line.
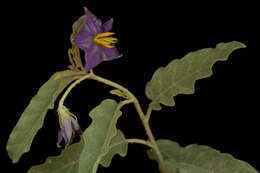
point(110, 39)
point(105, 39)
point(104, 34)
point(104, 43)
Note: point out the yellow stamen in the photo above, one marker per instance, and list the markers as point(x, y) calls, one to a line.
point(111, 39)
point(105, 39)
point(105, 34)
point(104, 43)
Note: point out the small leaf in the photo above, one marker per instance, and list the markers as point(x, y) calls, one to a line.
point(97, 137)
point(31, 120)
point(77, 26)
point(118, 145)
point(198, 159)
point(118, 93)
point(179, 76)
point(66, 162)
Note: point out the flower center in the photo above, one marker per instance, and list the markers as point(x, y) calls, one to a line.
point(105, 39)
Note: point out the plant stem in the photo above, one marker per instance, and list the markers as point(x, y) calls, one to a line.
point(140, 141)
point(144, 118)
point(148, 113)
point(61, 102)
point(149, 133)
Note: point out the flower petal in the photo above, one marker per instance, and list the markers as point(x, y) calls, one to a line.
point(84, 38)
point(66, 140)
point(108, 54)
point(108, 25)
point(67, 130)
point(60, 137)
point(75, 125)
point(92, 22)
point(92, 57)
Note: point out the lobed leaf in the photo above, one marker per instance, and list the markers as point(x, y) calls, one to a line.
point(198, 159)
point(118, 145)
point(179, 76)
point(99, 136)
point(31, 120)
point(66, 162)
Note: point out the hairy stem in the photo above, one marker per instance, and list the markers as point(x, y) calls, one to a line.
point(144, 118)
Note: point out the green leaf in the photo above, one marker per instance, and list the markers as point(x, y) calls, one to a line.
point(198, 159)
point(77, 26)
point(119, 93)
point(31, 120)
point(179, 76)
point(118, 145)
point(66, 162)
point(100, 142)
point(97, 137)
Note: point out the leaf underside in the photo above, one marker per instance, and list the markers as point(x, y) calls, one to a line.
point(31, 120)
point(198, 159)
point(100, 136)
point(179, 76)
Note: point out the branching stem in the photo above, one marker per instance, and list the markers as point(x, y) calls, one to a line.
point(144, 118)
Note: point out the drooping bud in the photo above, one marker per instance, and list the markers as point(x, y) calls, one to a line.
point(68, 124)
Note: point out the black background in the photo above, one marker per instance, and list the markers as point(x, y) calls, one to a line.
point(222, 113)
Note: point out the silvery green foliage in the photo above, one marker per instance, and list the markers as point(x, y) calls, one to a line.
point(101, 141)
point(198, 159)
point(180, 75)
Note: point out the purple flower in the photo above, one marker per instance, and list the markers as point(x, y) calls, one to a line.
point(69, 125)
point(96, 41)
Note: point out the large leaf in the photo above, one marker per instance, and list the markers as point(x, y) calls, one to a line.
point(118, 145)
point(97, 137)
point(198, 159)
point(32, 118)
point(66, 162)
point(179, 76)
